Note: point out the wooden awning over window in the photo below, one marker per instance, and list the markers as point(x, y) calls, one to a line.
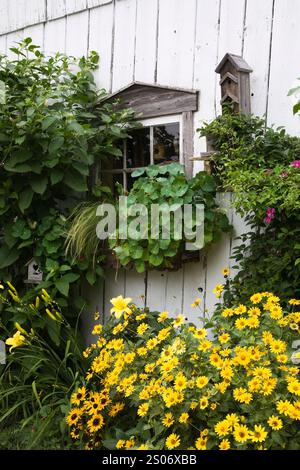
point(155, 100)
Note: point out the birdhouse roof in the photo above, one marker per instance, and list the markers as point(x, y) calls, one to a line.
point(237, 61)
point(32, 260)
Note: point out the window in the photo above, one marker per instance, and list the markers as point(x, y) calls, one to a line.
point(166, 135)
point(158, 141)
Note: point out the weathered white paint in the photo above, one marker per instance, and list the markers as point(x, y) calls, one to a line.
point(3, 44)
point(12, 40)
point(56, 9)
point(77, 34)
point(124, 43)
point(145, 41)
point(175, 43)
point(258, 28)
point(284, 68)
point(231, 34)
point(156, 290)
point(217, 258)
point(15, 14)
point(206, 60)
point(55, 36)
point(100, 40)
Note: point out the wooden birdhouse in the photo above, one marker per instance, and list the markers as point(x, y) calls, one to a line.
point(235, 82)
point(34, 273)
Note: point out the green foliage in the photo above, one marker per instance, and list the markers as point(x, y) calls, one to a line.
point(53, 129)
point(255, 162)
point(40, 371)
point(167, 185)
point(269, 258)
point(261, 166)
point(82, 241)
point(15, 437)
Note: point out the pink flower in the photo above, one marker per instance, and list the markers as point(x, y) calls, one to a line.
point(283, 174)
point(270, 215)
point(296, 164)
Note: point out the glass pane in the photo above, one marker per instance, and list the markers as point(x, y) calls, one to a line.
point(166, 143)
point(138, 148)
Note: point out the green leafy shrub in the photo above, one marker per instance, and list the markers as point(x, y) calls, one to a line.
point(53, 129)
point(168, 185)
point(261, 166)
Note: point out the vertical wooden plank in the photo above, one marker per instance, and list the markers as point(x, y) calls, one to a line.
point(21, 13)
point(135, 287)
point(176, 39)
point(3, 44)
point(36, 33)
point(174, 292)
point(124, 43)
point(239, 228)
point(73, 6)
point(12, 40)
point(114, 286)
point(56, 9)
point(156, 290)
point(231, 27)
point(194, 288)
point(146, 31)
point(188, 142)
point(97, 3)
point(217, 258)
point(17, 14)
point(231, 34)
point(94, 296)
point(258, 34)
point(4, 25)
point(206, 58)
point(100, 40)
point(284, 64)
point(77, 34)
point(34, 13)
point(55, 36)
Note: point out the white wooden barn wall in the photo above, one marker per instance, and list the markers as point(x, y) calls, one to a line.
point(175, 43)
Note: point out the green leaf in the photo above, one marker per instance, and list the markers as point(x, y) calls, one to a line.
point(75, 181)
point(16, 158)
point(91, 277)
point(8, 256)
point(156, 260)
point(140, 266)
point(25, 199)
point(56, 176)
point(48, 121)
point(55, 144)
point(63, 286)
point(71, 277)
point(137, 252)
point(138, 172)
point(39, 184)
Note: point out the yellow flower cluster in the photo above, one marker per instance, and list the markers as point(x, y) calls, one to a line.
point(156, 382)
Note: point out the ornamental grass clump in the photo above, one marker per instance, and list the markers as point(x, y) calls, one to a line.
point(157, 382)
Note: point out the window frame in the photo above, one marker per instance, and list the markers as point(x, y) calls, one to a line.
point(151, 123)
